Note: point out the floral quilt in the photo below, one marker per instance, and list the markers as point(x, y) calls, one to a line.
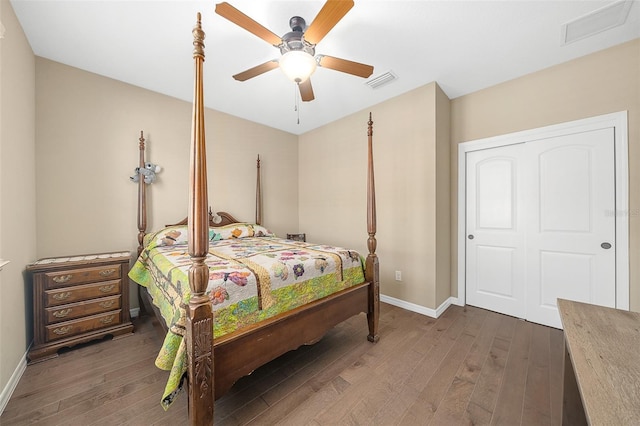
point(253, 275)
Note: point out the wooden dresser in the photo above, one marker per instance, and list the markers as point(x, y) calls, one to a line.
point(77, 299)
point(601, 366)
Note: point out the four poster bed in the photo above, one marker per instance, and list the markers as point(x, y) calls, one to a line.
point(232, 295)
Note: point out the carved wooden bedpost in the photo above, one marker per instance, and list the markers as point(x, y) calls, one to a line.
point(199, 332)
point(372, 272)
point(142, 198)
point(258, 194)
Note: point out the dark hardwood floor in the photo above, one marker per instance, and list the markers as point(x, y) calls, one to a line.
point(469, 367)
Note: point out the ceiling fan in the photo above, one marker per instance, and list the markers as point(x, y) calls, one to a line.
point(298, 47)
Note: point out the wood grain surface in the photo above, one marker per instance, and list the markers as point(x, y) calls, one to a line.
point(470, 366)
point(604, 348)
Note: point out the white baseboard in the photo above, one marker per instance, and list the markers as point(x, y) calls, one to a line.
point(456, 301)
point(134, 312)
point(433, 313)
point(5, 396)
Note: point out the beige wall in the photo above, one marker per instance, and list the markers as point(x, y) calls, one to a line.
point(600, 83)
point(443, 195)
point(410, 155)
point(87, 130)
point(17, 190)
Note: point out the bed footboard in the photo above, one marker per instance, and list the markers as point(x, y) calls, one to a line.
point(242, 352)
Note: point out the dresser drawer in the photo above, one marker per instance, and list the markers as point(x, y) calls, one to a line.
point(71, 277)
point(62, 296)
point(81, 309)
point(82, 325)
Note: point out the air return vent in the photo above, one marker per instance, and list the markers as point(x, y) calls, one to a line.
point(381, 80)
point(599, 20)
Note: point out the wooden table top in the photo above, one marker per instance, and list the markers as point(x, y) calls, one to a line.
point(604, 344)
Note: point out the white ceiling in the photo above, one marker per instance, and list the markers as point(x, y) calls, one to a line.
point(463, 45)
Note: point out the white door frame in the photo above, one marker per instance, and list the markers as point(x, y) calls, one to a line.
point(617, 120)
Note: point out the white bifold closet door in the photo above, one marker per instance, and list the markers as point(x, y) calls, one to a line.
point(541, 225)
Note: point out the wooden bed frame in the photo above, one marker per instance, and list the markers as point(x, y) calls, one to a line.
point(215, 366)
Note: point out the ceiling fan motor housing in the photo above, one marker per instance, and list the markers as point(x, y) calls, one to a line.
point(294, 40)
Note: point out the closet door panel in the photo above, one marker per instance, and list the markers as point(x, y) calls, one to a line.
point(570, 223)
point(495, 244)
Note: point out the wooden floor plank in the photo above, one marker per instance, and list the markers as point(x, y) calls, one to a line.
point(511, 397)
point(429, 399)
point(327, 401)
point(485, 394)
point(145, 411)
point(313, 376)
point(92, 370)
point(383, 389)
point(109, 400)
point(556, 355)
point(470, 366)
point(304, 386)
point(85, 374)
point(45, 374)
point(284, 377)
point(439, 341)
point(537, 402)
point(454, 406)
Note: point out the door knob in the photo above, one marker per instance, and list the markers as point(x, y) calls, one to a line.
point(605, 246)
point(470, 236)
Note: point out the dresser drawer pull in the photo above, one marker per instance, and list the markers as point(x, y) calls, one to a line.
point(62, 296)
point(62, 313)
point(107, 304)
point(61, 331)
point(107, 272)
point(62, 278)
point(107, 288)
point(107, 320)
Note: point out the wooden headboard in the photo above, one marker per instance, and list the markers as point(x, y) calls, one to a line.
point(215, 220)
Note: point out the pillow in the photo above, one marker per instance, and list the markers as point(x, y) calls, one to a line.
point(179, 234)
point(261, 231)
point(170, 236)
point(242, 230)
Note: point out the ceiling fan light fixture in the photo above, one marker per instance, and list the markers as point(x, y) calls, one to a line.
point(297, 65)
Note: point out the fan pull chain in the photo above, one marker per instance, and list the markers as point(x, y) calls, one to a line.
point(296, 107)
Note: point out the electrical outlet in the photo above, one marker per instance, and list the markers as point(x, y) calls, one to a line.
point(398, 275)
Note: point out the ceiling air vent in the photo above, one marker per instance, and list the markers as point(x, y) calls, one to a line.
point(381, 80)
point(605, 18)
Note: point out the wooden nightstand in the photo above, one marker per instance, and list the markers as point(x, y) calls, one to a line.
point(297, 237)
point(77, 299)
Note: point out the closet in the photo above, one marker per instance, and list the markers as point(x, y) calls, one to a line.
point(540, 222)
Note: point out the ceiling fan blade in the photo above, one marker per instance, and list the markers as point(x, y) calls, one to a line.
point(234, 15)
point(330, 14)
point(343, 65)
point(306, 91)
point(256, 71)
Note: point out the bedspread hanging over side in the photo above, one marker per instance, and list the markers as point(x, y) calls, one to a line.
point(253, 275)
